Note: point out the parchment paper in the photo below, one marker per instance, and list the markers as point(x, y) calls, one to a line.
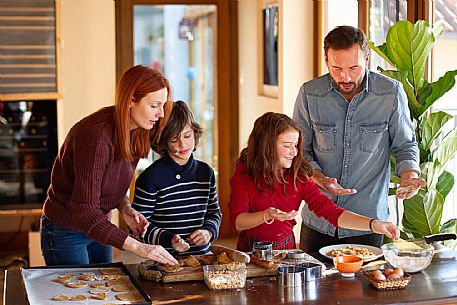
point(41, 288)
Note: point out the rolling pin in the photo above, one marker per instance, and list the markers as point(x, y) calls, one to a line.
point(236, 255)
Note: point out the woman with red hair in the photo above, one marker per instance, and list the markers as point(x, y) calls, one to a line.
point(270, 182)
point(92, 173)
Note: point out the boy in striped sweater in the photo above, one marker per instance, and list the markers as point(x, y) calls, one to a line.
point(177, 193)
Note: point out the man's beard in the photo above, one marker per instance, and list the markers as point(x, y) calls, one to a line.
point(356, 85)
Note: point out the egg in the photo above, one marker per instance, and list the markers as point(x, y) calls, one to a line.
point(388, 272)
point(393, 276)
point(378, 276)
point(375, 272)
point(398, 271)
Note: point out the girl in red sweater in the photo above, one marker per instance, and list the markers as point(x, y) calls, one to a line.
point(270, 181)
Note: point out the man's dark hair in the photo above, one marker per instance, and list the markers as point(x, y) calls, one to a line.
point(344, 37)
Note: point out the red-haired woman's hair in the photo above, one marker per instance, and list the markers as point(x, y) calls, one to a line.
point(260, 157)
point(133, 86)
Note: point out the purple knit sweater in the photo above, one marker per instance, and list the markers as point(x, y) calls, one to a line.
point(89, 179)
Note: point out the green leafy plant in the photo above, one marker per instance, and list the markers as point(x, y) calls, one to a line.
point(407, 48)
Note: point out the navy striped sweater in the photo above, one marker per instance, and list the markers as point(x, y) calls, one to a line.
point(178, 199)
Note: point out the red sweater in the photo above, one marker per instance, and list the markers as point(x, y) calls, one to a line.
point(89, 179)
point(245, 198)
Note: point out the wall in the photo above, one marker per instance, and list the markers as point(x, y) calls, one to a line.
point(296, 62)
point(87, 67)
point(87, 60)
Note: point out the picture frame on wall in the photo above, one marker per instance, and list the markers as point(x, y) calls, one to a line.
point(269, 45)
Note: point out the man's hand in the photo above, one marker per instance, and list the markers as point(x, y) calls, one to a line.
point(179, 244)
point(331, 185)
point(200, 237)
point(135, 220)
point(410, 185)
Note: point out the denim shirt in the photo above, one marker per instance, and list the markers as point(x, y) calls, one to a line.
point(352, 142)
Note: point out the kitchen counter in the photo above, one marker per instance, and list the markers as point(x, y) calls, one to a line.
point(435, 285)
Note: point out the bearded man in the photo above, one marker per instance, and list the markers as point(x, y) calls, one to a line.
point(352, 118)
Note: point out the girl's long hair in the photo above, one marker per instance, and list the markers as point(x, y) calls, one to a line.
point(133, 86)
point(260, 157)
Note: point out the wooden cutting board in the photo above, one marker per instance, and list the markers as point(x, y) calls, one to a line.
point(150, 271)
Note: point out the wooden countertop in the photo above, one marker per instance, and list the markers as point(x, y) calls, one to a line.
point(435, 285)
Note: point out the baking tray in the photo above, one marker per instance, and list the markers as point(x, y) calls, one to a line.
point(40, 287)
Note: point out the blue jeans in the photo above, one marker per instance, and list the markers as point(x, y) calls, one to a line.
point(60, 246)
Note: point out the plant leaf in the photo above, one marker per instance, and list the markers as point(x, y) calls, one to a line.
point(408, 47)
point(429, 173)
point(381, 50)
point(438, 28)
point(450, 226)
point(445, 152)
point(431, 127)
point(422, 212)
point(410, 229)
point(414, 105)
point(445, 183)
point(438, 89)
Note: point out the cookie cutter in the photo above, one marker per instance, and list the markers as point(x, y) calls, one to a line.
point(262, 249)
point(297, 275)
point(296, 254)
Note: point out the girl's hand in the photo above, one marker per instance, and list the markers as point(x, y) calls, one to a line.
point(277, 214)
point(200, 237)
point(387, 228)
point(135, 220)
point(179, 244)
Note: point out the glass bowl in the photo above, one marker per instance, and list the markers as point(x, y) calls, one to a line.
point(226, 276)
point(410, 260)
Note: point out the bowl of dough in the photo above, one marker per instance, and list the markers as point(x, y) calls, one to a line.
point(410, 256)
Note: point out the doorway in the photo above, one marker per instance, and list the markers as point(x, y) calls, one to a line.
point(194, 43)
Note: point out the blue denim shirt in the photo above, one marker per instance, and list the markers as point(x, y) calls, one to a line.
point(352, 142)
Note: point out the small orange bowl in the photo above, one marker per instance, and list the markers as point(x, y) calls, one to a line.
point(348, 264)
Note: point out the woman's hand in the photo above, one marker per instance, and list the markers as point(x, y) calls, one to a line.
point(277, 214)
point(200, 237)
point(179, 244)
point(153, 252)
point(135, 220)
point(387, 228)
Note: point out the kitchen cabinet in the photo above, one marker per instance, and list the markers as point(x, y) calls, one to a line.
point(28, 147)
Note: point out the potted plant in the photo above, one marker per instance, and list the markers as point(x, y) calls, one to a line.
point(406, 49)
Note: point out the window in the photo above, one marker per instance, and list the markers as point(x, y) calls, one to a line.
point(383, 14)
point(443, 60)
